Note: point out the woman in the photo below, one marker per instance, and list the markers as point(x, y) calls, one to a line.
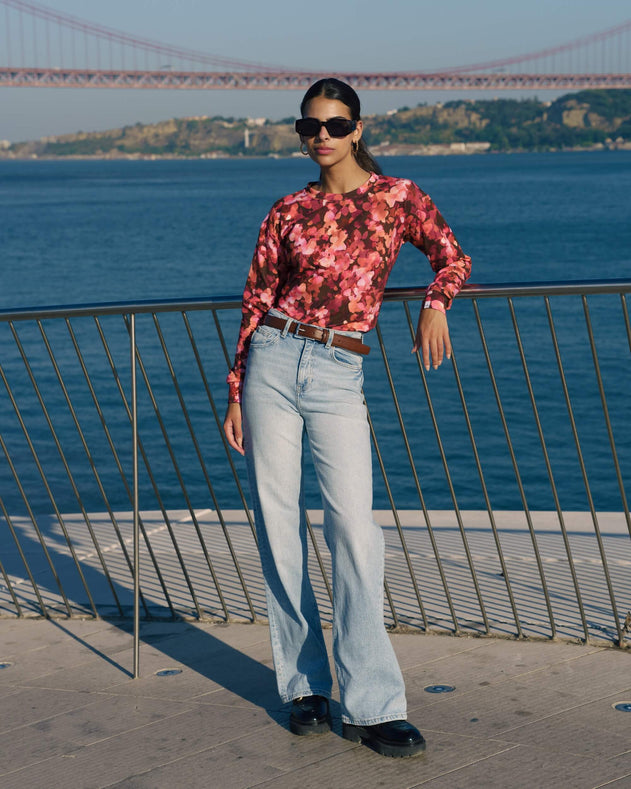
point(315, 286)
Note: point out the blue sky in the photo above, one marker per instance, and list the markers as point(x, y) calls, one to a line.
point(367, 35)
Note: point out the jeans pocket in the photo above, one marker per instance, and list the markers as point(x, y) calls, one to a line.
point(263, 336)
point(346, 358)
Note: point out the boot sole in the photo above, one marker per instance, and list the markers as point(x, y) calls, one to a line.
point(361, 735)
point(305, 729)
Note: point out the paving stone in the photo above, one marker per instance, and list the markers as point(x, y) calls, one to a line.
point(589, 676)
point(418, 650)
point(591, 730)
point(110, 637)
point(190, 684)
point(246, 635)
point(493, 661)
point(198, 647)
point(497, 662)
point(40, 662)
point(244, 762)
point(21, 635)
point(491, 711)
point(8, 690)
point(94, 673)
point(361, 767)
point(65, 733)
point(30, 705)
point(116, 758)
point(526, 768)
point(220, 723)
point(227, 670)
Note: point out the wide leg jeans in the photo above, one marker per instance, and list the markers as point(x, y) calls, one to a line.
point(295, 385)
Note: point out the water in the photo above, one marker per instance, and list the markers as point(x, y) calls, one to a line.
point(88, 231)
point(82, 231)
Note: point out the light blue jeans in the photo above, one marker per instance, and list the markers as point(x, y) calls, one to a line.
point(295, 385)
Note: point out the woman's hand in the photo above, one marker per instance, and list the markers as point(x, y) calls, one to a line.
point(233, 428)
point(432, 337)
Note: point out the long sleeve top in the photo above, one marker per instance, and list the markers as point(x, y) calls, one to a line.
point(325, 258)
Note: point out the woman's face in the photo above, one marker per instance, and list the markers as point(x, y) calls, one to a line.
point(324, 149)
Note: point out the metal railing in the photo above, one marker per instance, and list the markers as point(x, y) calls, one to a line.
point(500, 479)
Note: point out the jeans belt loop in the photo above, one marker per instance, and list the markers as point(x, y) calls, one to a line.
point(285, 330)
point(330, 338)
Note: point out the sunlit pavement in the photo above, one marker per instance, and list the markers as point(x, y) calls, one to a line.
point(511, 714)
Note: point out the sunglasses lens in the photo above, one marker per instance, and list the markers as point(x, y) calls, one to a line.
point(336, 127)
point(307, 127)
point(339, 127)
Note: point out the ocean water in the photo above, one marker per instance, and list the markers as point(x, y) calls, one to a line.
point(87, 231)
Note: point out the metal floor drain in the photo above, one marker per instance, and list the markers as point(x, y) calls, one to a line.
point(622, 706)
point(168, 672)
point(439, 688)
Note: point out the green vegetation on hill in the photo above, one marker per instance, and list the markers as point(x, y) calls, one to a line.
point(580, 120)
point(575, 120)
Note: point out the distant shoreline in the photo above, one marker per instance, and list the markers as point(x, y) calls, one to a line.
point(590, 120)
point(436, 150)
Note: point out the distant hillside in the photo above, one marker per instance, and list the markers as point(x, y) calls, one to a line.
point(585, 119)
point(589, 119)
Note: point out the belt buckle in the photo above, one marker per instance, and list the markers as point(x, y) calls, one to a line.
point(316, 333)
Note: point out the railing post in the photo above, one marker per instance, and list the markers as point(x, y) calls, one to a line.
point(136, 527)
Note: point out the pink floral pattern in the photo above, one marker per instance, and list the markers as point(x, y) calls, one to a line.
point(325, 258)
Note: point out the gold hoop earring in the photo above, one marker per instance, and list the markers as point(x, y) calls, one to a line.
point(303, 151)
point(355, 146)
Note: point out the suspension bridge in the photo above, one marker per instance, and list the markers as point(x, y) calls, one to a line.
point(40, 47)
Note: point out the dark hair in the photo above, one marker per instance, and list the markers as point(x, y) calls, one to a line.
point(337, 90)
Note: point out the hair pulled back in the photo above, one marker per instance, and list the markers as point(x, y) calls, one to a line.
point(335, 89)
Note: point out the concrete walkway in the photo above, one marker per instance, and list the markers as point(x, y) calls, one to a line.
point(522, 714)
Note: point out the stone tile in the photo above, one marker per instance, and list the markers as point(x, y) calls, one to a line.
point(95, 673)
point(30, 705)
point(489, 700)
point(229, 672)
point(198, 654)
point(621, 782)
point(203, 651)
point(110, 637)
point(114, 759)
point(526, 768)
point(241, 637)
point(498, 661)
point(22, 635)
point(363, 768)
point(87, 724)
point(592, 730)
point(9, 690)
point(589, 676)
point(42, 660)
point(490, 711)
point(65, 733)
point(190, 684)
point(417, 650)
point(266, 697)
point(270, 754)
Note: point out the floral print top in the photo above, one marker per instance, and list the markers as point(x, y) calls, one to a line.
point(325, 258)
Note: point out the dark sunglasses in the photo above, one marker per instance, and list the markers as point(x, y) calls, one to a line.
point(336, 127)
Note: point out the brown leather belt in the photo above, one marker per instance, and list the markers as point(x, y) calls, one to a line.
point(319, 335)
